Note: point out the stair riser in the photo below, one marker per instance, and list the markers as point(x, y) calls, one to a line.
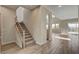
point(28, 38)
point(30, 43)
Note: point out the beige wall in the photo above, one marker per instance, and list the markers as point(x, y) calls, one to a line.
point(36, 23)
point(8, 25)
point(0, 33)
point(33, 23)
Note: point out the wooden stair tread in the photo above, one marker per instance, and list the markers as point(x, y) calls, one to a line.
point(29, 42)
point(28, 36)
point(28, 39)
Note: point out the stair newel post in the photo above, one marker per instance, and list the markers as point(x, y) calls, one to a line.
point(23, 39)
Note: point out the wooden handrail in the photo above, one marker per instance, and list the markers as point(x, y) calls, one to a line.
point(19, 30)
point(18, 23)
point(20, 27)
point(23, 39)
point(22, 35)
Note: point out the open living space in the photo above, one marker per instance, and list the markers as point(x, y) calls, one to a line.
point(39, 29)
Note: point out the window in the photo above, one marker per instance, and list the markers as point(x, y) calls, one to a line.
point(47, 26)
point(47, 21)
point(55, 26)
point(73, 25)
point(47, 18)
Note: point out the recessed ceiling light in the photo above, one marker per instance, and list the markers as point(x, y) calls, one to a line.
point(59, 6)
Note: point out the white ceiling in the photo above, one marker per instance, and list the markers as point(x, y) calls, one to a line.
point(14, 7)
point(64, 12)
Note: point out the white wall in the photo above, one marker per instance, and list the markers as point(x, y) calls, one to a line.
point(8, 25)
point(44, 13)
point(19, 14)
point(33, 23)
point(27, 19)
point(36, 23)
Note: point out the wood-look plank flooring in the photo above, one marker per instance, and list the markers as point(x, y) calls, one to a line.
point(35, 49)
point(55, 46)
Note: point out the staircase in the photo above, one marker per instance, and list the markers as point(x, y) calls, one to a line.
point(27, 37)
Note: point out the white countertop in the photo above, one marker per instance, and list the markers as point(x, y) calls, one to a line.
point(73, 33)
point(58, 37)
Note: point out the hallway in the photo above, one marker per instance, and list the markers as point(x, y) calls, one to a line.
point(37, 30)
